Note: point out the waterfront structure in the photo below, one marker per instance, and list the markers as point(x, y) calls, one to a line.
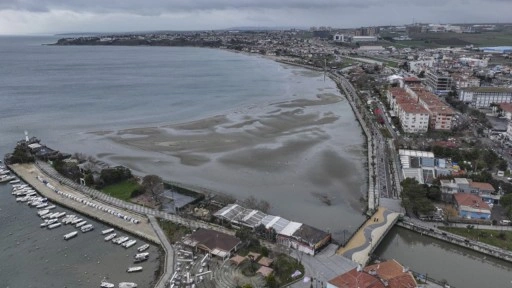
point(213, 242)
point(295, 235)
point(390, 274)
point(471, 206)
point(483, 97)
point(439, 83)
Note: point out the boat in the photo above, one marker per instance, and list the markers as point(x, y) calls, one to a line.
point(107, 231)
point(43, 212)
point(76, 220)
point(6, 178)
point(134, 269)
point(44, 224)
point(105, 284)
point(51, 207)
point(54, 225)
point(127, 285)
point(141, 257)
point(70, 235)
point(42, 205)
point(14, 181)
point(120, 240)
point(87, 228)
point(143, 247)
point(129, 244)
point(80, 224)
point(110, 237)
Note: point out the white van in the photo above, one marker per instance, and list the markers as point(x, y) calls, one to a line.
point(505, 222)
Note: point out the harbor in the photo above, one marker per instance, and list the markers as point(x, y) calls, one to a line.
point(68, 257)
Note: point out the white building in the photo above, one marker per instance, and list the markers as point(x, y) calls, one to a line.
point(338, 37)
point(481, 97)
point(413, 118)
point(356, 39)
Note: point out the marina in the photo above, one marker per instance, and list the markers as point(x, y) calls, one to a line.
point(54, 220)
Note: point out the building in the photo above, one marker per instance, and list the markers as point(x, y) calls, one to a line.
point(291, 234)
point(390, 274)
point(483, 97)
point(441, 115)
point(471, 206)
point(213, 242)
point(464, 81)
point(439, 83)
point(338, 37)
point(357, 39)
point(413, 118)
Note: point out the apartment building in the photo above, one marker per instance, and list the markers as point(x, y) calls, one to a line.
point(483, 97)
point(413, 117)
point(439, 83)
point(441, 115)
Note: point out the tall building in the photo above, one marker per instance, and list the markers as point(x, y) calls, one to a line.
point(481, 97)
point(439, 83)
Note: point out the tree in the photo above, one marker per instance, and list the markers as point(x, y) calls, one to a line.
point(154, 186)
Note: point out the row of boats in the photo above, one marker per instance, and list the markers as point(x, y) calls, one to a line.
point(6, 177)
point(52, 219)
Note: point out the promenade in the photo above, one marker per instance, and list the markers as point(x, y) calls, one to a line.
point(370, 234)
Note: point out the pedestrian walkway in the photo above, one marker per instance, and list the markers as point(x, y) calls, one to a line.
point(364, 241)
point(169, 254)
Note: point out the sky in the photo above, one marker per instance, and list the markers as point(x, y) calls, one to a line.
point(20, 17)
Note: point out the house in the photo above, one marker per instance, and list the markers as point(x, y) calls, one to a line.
point(213, 242)
point(480, 188)
point(471, 206)
point(390, 274)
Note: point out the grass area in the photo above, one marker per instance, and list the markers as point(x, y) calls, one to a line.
point(122, 190)
point(501, 239)
point(461, 39)
point(173, 231)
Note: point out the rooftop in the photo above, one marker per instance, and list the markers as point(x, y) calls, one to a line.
point(212, 239)
point(482, 186)
point(488, 89)
point(471, 200)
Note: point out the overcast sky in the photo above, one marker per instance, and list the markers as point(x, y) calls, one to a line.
point(59, 16)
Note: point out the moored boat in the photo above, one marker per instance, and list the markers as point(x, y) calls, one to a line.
point(127, 285)
point(105, 284)
point(143, 247)
point(107, 231)
point(54, 225)
point(87, 228)
point(134, 269)
point(80, 224)
point(129, 243)
point(70, 235)
point(110, 237)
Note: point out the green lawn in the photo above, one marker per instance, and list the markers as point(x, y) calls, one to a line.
point(122, 190)
point(501, 239)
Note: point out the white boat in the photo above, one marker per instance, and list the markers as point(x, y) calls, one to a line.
point(54, 225)
point(44, 224)
point(105, 284)
point(76, 220)
point(130, 243)
point(107, 231)
point(141, 257)
point(110, 237)
point(42, 205)
point(6, 178)
point(60, 214)
point(43, 212)
point(51, 207)
point(143, 247)
point(51, 221)
point(80, 224)
point(70, 235)
point(122, 240)
point(127, 285)
point(87, 228)
point(134, 269)
point(14, 181)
